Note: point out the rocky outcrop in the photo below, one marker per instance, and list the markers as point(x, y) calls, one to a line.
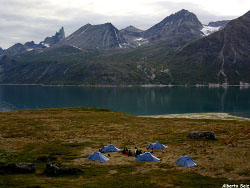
point(209, 135)
point(50, 41)
point(54, 169)
point(18, 168)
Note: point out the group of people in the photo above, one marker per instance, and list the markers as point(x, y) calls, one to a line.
point(127, 152)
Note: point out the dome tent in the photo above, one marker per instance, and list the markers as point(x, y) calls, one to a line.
point(157, 145)
point(147, 157)
point(186, 161)
point(109, 148)
point(98, 156)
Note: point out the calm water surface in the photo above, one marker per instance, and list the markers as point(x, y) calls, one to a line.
point(134, 100)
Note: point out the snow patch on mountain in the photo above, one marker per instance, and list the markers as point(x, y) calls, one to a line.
point(46, 45)
point(140, 41)
point(207, 30)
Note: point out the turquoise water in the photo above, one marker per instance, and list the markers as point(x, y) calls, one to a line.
point(132, 100)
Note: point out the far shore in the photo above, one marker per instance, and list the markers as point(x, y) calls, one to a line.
point(215, 116)
point(245, 85)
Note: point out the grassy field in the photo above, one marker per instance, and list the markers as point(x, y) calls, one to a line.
point(71, 134)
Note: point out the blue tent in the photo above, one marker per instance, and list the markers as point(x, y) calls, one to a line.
point(157, 145)
point(147, 157)
point(109, 148)
point(186, 161)
point(98, 156)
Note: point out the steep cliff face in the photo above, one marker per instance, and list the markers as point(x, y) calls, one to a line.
point(50, 41)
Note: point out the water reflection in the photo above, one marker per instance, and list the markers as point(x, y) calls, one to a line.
point(134, 100)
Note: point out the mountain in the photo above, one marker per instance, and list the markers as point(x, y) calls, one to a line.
point(133, 36)
point(222, 57)
point(1, 51)
point(182, 25)
point(104, 36)
point(50, 41)
point(220, 24)
point(20, 48)
point(131, 29)
point(214, 26)
point(30, 46)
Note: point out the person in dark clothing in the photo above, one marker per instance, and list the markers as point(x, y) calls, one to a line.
point(137, 152)
point(129, 153)
point(124, 151)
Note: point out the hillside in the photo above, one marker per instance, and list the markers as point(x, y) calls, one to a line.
point(69, 135)
point(222, 57)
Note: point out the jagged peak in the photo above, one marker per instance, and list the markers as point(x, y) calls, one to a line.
point(30, 43)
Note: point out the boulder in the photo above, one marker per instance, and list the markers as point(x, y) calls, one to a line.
point(18, 168)
point(208, 135)
point(55, 169)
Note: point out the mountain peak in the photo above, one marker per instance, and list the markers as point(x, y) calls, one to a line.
point(132, 29)
point(50, 41)
point(102, 36)
point(180, 23)
point(183, 11)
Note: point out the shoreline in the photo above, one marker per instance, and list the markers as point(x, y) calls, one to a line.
point(212, 116)
point(246, 85)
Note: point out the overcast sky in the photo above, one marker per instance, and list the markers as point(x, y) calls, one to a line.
point(27, 20)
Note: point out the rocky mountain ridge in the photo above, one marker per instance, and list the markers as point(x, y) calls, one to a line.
point(30, 46)
point(220, 58)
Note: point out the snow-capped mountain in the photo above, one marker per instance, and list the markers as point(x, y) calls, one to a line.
point(213, 27)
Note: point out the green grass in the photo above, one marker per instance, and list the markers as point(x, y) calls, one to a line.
point(69, 135)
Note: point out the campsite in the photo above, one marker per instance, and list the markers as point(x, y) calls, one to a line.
point(68, 136)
